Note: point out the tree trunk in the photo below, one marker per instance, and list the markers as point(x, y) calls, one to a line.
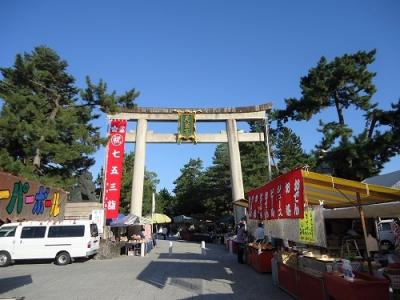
point(372, 127)
point(38, 157)
point(339, 109)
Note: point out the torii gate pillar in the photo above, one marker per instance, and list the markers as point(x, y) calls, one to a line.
point(138, 168)
point(236, 167)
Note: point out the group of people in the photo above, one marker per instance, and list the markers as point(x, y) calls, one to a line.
point(164, 231)
point(241, 238)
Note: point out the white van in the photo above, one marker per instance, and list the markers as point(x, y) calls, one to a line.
point(59, 240)
point(385, 234)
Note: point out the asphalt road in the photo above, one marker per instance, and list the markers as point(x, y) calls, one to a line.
point(186, 274)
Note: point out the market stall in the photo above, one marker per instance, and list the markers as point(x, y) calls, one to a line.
point(259, 256)
point(291, 207)
point(133, 233)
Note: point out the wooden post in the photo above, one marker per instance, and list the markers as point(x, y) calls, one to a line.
point(361, 211)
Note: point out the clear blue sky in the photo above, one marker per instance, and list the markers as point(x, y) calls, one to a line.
point(206, 54)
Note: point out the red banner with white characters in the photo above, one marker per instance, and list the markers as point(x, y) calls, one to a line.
point(282, 198)
point(114, 164)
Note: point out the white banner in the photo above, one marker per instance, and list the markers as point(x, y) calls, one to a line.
point(98, 218)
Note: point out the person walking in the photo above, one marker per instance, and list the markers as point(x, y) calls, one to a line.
point(241, 240)
point(160, 232)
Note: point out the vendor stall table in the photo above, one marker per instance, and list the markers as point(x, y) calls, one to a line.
point(364, 287)
point(260, 261)
point(310, 287)
point(142, 247)
point(287, 279)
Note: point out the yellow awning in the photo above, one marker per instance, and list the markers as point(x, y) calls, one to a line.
point(334, 192)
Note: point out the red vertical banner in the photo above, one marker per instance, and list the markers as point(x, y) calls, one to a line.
point(282, 198)
point(113, 169)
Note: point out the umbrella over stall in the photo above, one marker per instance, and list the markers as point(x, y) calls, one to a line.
point(122, 220)
point(183, 219)
point(159, 218)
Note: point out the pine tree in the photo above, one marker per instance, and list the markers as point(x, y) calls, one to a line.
point(254, 160)
point(46, 128)
point(341, 84)
point(188, 189)
point(165, 203)
point(216, 186)
point(289, 152)
point(149, 185)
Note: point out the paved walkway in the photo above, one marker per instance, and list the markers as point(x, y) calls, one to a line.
point(186, 274)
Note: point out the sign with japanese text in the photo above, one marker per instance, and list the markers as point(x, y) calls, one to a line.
point(22, 199)
point(187, 126)
point(282, 198)
point(113, 169)
point(307, 231)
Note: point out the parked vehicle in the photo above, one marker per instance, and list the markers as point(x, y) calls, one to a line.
point(385, 234)
point(61, 241)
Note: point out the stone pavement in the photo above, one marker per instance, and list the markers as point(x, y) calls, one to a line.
point(185, 274)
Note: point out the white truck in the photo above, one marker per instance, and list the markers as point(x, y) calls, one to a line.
point(58, 240)
point(385, 234)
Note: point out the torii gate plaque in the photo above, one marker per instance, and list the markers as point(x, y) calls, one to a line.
point(144, 115)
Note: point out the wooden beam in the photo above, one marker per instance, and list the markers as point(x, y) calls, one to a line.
point(364, 227)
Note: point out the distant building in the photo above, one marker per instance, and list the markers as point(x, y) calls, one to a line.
point(389, 180)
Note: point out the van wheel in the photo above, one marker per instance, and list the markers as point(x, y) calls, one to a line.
point(63, 259)
point(5, 259)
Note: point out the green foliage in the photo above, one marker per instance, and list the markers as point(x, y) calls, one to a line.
point(289, 152)
point(216, 188)
point(96, 95)
point(165, 203)
point(254, 160)
point(188, 189)
point(46, 130)
point(343, 83)
point(149, 187)
point(150, 183)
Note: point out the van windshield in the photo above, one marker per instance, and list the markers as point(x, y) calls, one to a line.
point(7, 231)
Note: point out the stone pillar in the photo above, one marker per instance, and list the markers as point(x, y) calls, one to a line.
point(236, 168)
point(138, 169)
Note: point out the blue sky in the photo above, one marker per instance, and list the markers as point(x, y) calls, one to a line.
point(207, 54)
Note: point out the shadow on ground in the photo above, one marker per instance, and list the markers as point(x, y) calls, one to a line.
point(46, 261)
point(183, 256)
point(10, 283)
point(216, 275)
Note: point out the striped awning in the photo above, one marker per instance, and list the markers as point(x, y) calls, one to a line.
point(334, 192)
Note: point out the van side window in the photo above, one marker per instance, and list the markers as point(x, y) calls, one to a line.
point(8, 231)
point(33, 232)
point(66, 231)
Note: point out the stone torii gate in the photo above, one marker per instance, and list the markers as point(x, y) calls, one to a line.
point(228, 115)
